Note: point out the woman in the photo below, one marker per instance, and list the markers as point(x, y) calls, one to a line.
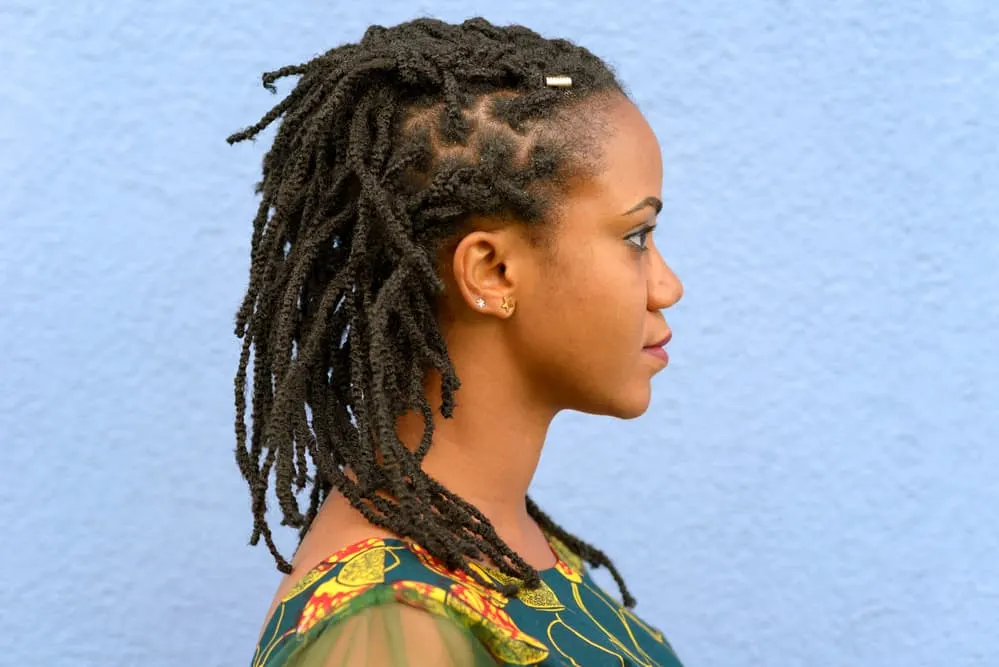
point(445, 206)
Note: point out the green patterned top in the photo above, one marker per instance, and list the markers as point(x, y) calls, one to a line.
point(365, 604)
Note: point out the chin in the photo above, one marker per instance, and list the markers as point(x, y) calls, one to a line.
point(629, 404)
point(632, 411)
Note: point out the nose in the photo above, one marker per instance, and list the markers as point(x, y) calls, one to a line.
point(665, 288)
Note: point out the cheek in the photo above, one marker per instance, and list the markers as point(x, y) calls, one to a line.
point(581, 337)
point(594, 316)
point(613, 302)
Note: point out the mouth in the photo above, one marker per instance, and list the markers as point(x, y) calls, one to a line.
point(658, 350)
point(662, 343)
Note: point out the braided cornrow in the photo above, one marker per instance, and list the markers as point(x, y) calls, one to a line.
point(385, 150)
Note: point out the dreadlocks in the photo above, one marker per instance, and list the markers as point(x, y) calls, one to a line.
point(386, 150)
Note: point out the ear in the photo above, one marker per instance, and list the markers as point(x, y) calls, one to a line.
point(489, 265)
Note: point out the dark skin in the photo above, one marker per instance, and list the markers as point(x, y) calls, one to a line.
point(583, 310)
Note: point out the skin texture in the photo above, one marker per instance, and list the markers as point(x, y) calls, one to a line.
point(584, 309)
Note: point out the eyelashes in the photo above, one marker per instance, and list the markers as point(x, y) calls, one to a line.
point(643, 235)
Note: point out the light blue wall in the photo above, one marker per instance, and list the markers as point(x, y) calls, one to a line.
point(815, 483)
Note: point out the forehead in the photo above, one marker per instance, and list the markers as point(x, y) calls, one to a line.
point(630, 164)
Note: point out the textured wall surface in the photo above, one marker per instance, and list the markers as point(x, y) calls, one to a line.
point(815, 482)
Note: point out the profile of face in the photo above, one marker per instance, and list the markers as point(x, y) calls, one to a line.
point(591, 300)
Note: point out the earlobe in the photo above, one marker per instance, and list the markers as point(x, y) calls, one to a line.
point(480, 272)
point(508, 304)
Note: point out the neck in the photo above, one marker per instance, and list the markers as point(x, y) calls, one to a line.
point(488, 451)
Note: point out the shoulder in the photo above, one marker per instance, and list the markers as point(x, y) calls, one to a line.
point(328, 540)
point(390, 635)
point(380, 585)
point(333, 589)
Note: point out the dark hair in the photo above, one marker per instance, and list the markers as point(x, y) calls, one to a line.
point(386, 150)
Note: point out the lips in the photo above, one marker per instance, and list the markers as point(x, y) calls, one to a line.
point(661, 343)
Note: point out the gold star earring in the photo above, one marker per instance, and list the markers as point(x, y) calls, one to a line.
point(508, 305)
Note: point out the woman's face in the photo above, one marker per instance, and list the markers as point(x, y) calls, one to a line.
point(593, 301)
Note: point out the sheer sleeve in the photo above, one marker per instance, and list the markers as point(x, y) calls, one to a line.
point(393, 634)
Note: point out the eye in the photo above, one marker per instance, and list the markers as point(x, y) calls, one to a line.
point(643, 237)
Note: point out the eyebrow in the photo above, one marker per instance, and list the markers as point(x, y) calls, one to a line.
point(655, 202)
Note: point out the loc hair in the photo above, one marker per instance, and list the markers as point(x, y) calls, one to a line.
point(385, 151)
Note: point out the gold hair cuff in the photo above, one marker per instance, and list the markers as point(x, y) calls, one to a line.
point(559, 81)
